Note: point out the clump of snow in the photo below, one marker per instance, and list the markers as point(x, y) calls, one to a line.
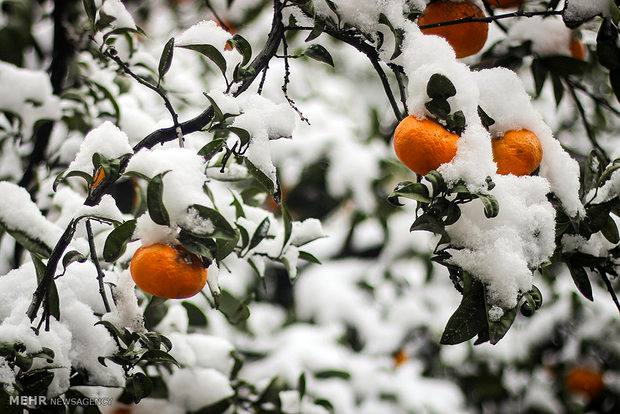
point(105, 209)
point(122, 18)
point(182, 184)
point(306, 231)
point(28, 94)
point(106, 140)
point(75, 339)
point(197, 224)
point(206, 32)
point(579, 11)
point(501, 251)
point(19, 213)
point(265, 121)
point(196, 388)
point(150, 232)
point(557, 166)
point(495, 313)
point(549, 35)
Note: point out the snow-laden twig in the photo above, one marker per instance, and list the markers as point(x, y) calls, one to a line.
point(95, 260)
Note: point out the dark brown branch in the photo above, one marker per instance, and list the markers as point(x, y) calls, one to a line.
point(95, 260)
point(488, 19)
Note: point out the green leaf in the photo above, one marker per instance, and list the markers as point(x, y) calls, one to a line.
point(580, 277)
point(317, 29)
point(319, 53)
point(72, 257)
point(499, 328)
point(438, 107)
point(154, 312)
point(436, 179)
point(90, 9)
point(166, 58)
point(116, 241)
point(456, 122)
point(138, 386)
point(610, 230)
point(243, 47)
point(157, 356)
point(410, 190)
point(440, 87)
point(607, 48)
point(398, 35)
point(288, 225)
point(332, 373)
point(53, 300)
point(203, 247)
point(308, 257)
point(195, 316)
point(212, 148)
point(486, 120)
point(260, 176)
point(211, 53)
point(226, 246)
point(427, 222)
point(301, 385)
point(217, 112)
point(29, 243)
point(223, 229)
point(219, 407)
point(491, 206)
point(244, 136)
point(469, 319)
point(260, 233)
point(539, 72)
point(234, 310)
point(558, 88)
point(155, 204)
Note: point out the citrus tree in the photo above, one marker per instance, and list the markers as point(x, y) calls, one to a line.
point(163, 234)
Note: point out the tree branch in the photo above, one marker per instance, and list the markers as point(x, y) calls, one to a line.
point(95, 260)
point(488, 19)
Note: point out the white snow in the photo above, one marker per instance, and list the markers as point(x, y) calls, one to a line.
point(106, 140)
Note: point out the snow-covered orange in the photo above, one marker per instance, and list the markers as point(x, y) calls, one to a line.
point(168, 271)
point(423, 145)
point(465, 38)
point(518, 152)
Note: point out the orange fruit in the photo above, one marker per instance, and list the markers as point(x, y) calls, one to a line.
point(465, 38)
point(577, 49)
point(504, 4)
point(517, 152)
point(423, 145)
point(97, 178)
point(400, 358)
point(584, 381)
point(168, 271)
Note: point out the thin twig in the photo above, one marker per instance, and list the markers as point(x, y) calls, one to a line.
point(610, 289)
point(262, 80)
point(488, 19)
point(598, 99)
point(589, 131)
point(95, 260)
point(287, 79)
point(221, 21)
point(113, 54)
point(399, 74)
